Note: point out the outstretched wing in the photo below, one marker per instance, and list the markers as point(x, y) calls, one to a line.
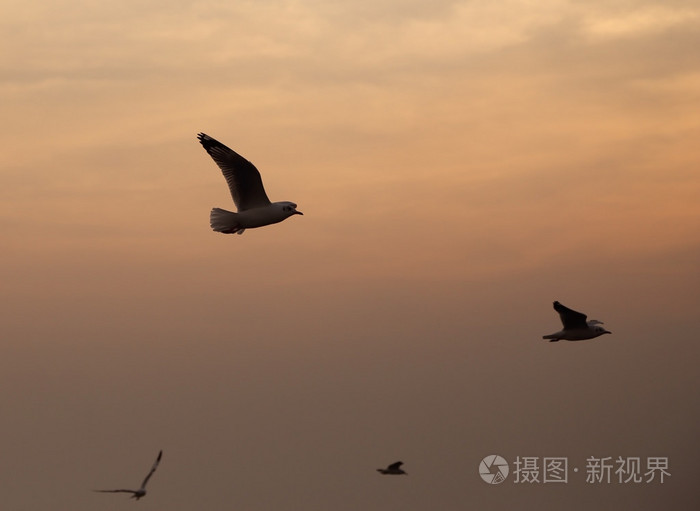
point(115, 491)
point(153, 469)
point(395, 466)
point(570, 318)
point(243, 178)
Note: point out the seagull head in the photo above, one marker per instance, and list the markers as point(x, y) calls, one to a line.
point(290, 208)
point(599, 330)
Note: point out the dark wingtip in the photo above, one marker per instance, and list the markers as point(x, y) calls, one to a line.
point(206, 140)
point(209, 144)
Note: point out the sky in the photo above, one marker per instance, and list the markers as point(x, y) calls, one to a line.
point(460, 166)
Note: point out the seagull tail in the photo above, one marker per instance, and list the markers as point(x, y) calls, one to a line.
point(225, 221)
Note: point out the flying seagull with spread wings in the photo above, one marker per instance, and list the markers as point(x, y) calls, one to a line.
point(245, 184)
point(393, 469)
point(576, 328)
point(137, 494)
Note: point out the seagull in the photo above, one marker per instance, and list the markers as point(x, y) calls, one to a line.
point(576, 328)
point(245, 184)
point(137, 494)
point(393, 469)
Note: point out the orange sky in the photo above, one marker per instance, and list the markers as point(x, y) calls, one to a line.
point(460, 165)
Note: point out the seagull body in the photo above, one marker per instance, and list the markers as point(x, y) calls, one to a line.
point(576, 328)
point(245, 184)
point(393, 469)
point(137, 494)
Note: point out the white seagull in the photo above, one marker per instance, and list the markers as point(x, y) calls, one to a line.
point(137, 494)
point(245, 183)
point(576, 328)
point(393, 469)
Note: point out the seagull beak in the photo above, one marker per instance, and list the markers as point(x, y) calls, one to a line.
point(298, 212)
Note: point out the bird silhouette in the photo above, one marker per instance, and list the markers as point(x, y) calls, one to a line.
point(576, 328)
point(246, 187)
point(393, 469)
point(137, 494)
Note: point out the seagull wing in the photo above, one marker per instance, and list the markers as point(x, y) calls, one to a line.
point(115, 491)
point(153, 469)
point(570, 318)
point(242, 177)
point(395, 466)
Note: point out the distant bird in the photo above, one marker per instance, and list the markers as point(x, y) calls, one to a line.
point(137, 494)
point(576, 328)
point(393, 469)
point(245, 184)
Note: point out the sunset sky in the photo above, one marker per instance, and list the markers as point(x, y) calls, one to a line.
point(460, 166)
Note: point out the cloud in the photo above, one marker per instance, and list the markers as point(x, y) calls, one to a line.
point(637, 20)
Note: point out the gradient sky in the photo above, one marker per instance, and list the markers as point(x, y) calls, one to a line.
point(460, 166)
